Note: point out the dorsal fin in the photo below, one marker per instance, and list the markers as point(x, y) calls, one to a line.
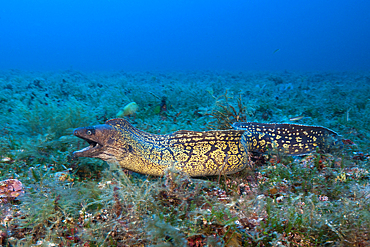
point(186, 133)
point(123, 125)
point(285, 126)
point(118, 122)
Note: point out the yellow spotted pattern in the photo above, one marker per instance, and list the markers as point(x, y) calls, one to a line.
point(292, 139)
point(210, 152)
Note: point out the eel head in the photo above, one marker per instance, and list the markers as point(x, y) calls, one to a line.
point(102, 140)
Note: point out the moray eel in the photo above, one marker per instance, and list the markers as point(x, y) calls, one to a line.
point(197, 153)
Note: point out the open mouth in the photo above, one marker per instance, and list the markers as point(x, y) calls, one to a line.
point(92, 144)
point(89, 150)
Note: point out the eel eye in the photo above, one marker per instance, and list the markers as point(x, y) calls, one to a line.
point(90, 131)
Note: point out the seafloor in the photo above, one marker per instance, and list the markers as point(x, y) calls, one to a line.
point(279, 200)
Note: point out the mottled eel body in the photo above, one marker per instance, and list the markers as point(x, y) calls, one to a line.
point(197, 153)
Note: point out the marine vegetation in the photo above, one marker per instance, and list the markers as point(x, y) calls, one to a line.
point(50, 198)
point(224, 114)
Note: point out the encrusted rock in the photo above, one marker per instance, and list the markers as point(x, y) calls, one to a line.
point(10, 189)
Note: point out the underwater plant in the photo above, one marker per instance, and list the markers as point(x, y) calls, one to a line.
point(224, 113)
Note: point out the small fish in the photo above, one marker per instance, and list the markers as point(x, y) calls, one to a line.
point(276, 51)
point(296, 118)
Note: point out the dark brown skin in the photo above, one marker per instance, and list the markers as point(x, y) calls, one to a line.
point(197, 153)
point(102, 139)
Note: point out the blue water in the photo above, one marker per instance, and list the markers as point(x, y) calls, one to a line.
point(92, 35)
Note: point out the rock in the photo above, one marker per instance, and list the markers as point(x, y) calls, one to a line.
point(10, 189)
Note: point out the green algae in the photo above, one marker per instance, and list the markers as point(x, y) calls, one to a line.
point(312, 200)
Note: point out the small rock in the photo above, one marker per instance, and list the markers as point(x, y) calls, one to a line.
point(10, 189)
